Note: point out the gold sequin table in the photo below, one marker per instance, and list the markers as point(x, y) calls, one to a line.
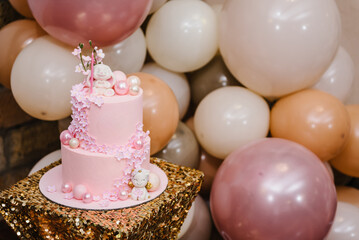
point(32, 216)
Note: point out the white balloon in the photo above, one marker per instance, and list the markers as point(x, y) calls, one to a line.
point(338, 79)
point(46, 160)
point(129, 55)
point(42, 76)
point(278, 47)
point(198, 223)
point(346, 223)
point(182, 35)
point(176, 81)
point(228, 118)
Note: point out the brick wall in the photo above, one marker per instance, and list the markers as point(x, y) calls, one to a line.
point(23, 140)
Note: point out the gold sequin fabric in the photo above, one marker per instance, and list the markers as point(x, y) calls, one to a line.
point(32, 216)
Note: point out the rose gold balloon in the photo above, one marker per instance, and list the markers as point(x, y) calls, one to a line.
point(313, 118)
point(22, 7)
point(348, 195)
point(347, 161)
point(13, 38)
point(160, 110)
point(209, 166)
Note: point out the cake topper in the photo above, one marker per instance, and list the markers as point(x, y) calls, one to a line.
point(99, 77)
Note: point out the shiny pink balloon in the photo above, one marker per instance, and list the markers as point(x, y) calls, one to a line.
point(105, 22)
point(273, 189)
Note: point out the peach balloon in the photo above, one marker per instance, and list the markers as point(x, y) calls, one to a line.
point(348, 195)
point(13, 38)
point(176, 81)
point(278, 47)
point(347, 161)
point(42, 77)
point(313, 118)
point(338, 79)
point(160, 110)
point(228, 118)
point(182, 36)
point(128, 55)
point(22, 7)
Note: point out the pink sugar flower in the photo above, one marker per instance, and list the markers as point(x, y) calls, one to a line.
point(96, 198)
point(51, 189)
point(104, 203)
point(69, 196)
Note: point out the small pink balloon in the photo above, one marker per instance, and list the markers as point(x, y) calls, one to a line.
point(138, 144)
point(121, 88)
point(105, 22)
point(87, 198)
point(273, 189)
point(119, 76)
point(65, 137)
point(79, 191)
point(123, 195)
point(66, 188)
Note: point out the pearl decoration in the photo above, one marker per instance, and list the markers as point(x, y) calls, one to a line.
point(87, 198)
point(65, 137)
point(134, 90)
point(138, 144)
point(74, 143)
point(123, 195)
point(79, 191)
point(154, 179)
point(121, 88)
point(66, 188)
point(133, 80)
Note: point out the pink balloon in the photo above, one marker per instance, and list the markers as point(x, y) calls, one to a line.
point(105, 22)
point(273, 189)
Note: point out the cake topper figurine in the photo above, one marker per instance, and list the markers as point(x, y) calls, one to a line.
point(139, 180)
point(100, 80)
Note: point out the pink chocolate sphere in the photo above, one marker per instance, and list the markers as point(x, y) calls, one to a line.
point(121, 88)
point(79, 191)
point(155, 181)
point(65, 137)
point(87, 198)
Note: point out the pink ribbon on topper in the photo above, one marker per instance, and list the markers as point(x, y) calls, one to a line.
point(91, 79)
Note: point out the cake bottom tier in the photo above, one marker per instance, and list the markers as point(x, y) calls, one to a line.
point(99, 173)
point(33, 216)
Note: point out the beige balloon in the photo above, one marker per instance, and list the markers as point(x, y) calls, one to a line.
point(338, 79)
point(182, 36)
point(349, 13)
point(42, 76)
point(128, 55)
point(228, 118)
point(278, 47)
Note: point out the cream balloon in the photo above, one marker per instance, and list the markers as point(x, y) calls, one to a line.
point(228, 118)
point(182, 35)
point(156, 4)
point(128, 55)
point(346, 223)
point(42, 76)
point(349, 13)
point(338, 79)
point(176, 81)
point(278, 47)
